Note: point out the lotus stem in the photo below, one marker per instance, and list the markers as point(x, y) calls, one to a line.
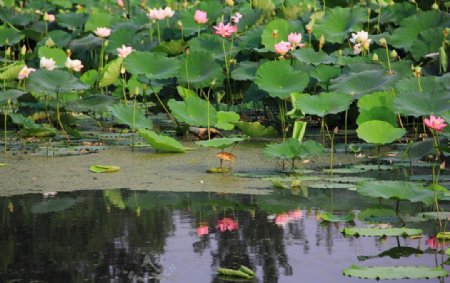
point(5, 116)
point(388, 59)
point(58, 117)
point(164, 107)
point(159, 32)
point(378, 156)
point(134, 122)
point(346, 130)
point(209, 112)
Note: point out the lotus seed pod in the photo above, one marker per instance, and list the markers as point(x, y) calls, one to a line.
point(69, 53)
point(23, 50)
point(339, 52)
point(418, 71)
point(382, 42)
point(446, 31)
point(49, 42)
point(375, 57)
point(366, 44)
point(321, 41)
point(275, 33)
point(393, 54)
point(122, 70)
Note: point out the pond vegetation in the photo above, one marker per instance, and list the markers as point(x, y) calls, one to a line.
point(367, 80)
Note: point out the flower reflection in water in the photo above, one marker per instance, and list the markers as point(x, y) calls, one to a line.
point(226, 223)
point(282, 219)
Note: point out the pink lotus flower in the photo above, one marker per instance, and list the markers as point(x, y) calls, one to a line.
point(168, 12)
point(281, 219)
point(200, 17)
point(282, 48)
point(49, 17)
point(227, 224)
point(124, 51)
point(203, 229)
point(48, 64)
point(160, 14)
point(102, 32)
point(120, 3)
point(224, 30)
point(74, 65)
point(294, 39)
point(236, 17)
point(25, 72)
point(435, 123)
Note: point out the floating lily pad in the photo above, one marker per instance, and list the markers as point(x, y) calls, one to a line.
point(398, 190)
point(3, 164)
point(395, 272)
point(104, 168)
point(161, 142)
point(379, 232)
point(330, 217)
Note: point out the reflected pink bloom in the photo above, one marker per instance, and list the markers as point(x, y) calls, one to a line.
point(282, 219)
point(236, 17)
point(227, 224)
point(432, 242)
point(295, 214)
point(435, 123)
point(282, 48)
point(224, 30)
point(202, 230)
point(200, 17)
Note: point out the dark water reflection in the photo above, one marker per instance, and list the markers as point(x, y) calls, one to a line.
point(135, 236)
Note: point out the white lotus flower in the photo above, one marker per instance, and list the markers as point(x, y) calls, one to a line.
point(74, 65)
point(48, 64)
point(25, 72)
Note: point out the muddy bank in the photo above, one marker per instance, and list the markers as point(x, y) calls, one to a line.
point(143, 169)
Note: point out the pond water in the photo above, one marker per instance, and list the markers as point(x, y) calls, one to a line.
point(141, 236)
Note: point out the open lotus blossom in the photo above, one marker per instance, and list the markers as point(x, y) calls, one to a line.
point(160, 14)
point(200, 17)
point(236, 17)
point(168, 12)
point(74, 65)
point(227, 224)
point(202, 229)
point(294, 39)
point(361, 41)
point(48, 64)
point(120, 3)
point(25, 72)
point(49, 17)
point(435, 123)
point(102, 32)
point(124, 51)
point(282, 47)
point(224, 30)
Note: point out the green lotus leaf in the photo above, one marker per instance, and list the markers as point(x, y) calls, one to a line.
point(309, 56)
point(428, 41)
point(410, 28)
point(172, 47)
point(115, 198)
point(221, 143)
point(380, 113)
point(245, 71)
point(226, 120)
point(56, 54)
point(10, 95)
point(89, 77)
point(123, 114)
point(418, 104)
point(161, 142)
point(193, 111)
point(213, 44)
point(339, 22)
point(52, 205)
point(189, 25)
point(324, 73)
point(9, 36)
point(71, 21)
point(12, 71)
point(377, 99)
point(25, 122)
point(397, 12)
point(395, 272)
point(330, 217)
point(251, 39)
point(322, 104)
point(153, 65)
point(59, 37)
point(397, 190)
point(279, 25)
point(97, 20)
point(56, 81)
point(123, 36)
point(364, 82)
point(199, 70)
point(379, 132)
point(89, 42)
point(255, 129)
point(12, 17)
point(293, 148)
point(96, 103)
point(381, 232)
point(111, 72)
point(279, 79)
point(428, 84)
point(104, 168)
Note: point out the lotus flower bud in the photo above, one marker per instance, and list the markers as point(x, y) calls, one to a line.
point(122, 70)
point(321, 41)
point(229, 2)
point(339, 52)
point(180, 24)
point(446, 32)
point(49, 42)
point(69, 53)
point(417, 71)
point(382, 42)
point(275, 33)
point(8, 52)
point(136, 91)
point(308, 8)
point(435, 6)
point(23, 50)
point(393, 54)
point(213, 82)
point(106, 43)
point(375, 57)
point(442, 165)
point(308, 28)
